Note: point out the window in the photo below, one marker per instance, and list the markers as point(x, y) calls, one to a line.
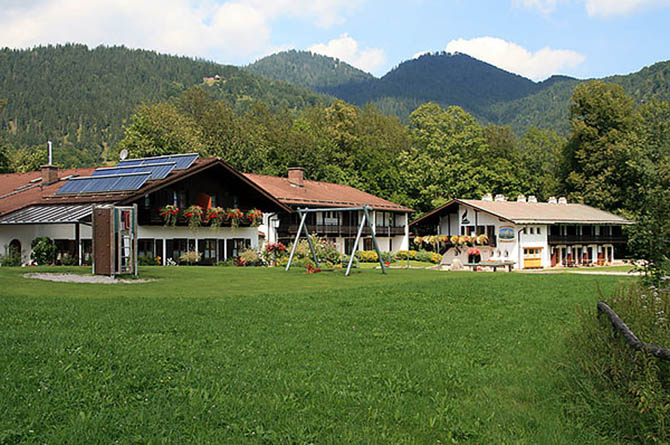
point(367, 244)
point(235, 246)
point(530, 230)
point(207, 247)
point(145, 247)
point(179, 247)
point(538, 231)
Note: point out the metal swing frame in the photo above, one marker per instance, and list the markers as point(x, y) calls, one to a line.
point(366, 220)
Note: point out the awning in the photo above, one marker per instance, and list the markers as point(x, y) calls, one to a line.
point(48, 214)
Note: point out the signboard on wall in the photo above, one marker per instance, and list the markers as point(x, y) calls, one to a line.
point(506, 234)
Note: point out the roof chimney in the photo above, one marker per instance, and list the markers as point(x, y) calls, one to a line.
point(562, 200)
point(500, 198)
point(521, 198)
point(552, 200)
point(49, 171)
point(487, 197)
point(532, 199)
point(296, 176)
point(49, 174)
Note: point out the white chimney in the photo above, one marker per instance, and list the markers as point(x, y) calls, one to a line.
point(562, 200)
point(521, 198)
point(487, 197)
point(50, 153)
point(532, 199)
point(500, 198)
point(552, 200)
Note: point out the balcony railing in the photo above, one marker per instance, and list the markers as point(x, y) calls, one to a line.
point(586, 239)
point(342, 230)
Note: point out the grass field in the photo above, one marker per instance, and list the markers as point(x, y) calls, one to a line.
point(233, 355)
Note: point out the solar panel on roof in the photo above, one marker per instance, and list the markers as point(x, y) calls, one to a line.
point(182, 161)
point(105, 183)
point(157, 170)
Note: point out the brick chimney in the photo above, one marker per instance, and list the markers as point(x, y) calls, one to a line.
point(296, 176)
point(49, 174)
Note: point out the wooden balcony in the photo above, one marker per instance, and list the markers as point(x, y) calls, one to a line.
point(347, 231)
point(587, 239)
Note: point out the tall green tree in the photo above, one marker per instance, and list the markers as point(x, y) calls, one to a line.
point(596, 170)
point(540, 153)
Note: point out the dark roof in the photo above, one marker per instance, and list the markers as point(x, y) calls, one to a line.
point(322, 194)
point(534, 212)
point(18, 192)
point(48, 214)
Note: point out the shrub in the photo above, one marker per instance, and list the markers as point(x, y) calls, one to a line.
point(368, 256)
point(326, 252)
point(190, 257)
point(402, 255)
point(11, 258)
point(428, 257)
point(249, 257)
point(67, 260)
point(43, 251)
point(226, 263)
point(626, 390)
point(147, 260)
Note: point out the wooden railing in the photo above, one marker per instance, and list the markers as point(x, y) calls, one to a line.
point(585, 239)
point(631, 338)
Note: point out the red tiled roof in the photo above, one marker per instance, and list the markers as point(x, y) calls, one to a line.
point(321, 194)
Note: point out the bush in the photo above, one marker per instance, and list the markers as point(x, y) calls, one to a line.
point(43, 251)
point(11, 258)
point(226, 263)
point(428, 257)
point(147, 260)
point(626, 390)
point(368, 256)
point(326, 253)
point(402, 255)
point(190, 257)
point(67, 260)
point(249, 257)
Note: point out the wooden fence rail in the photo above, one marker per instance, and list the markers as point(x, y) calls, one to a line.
point(630, 337)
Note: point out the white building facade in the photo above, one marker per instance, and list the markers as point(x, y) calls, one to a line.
point(529, 233)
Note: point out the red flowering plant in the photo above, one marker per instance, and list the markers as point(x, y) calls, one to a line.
point(254, 217)
point(193, 215)
point(169, 213)
point(234, 216)
point(215, 216)
point(275, 248)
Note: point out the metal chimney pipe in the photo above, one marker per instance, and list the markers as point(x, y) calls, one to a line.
point(50, 153)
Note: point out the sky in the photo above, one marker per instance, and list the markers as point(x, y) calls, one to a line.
point(533, 38)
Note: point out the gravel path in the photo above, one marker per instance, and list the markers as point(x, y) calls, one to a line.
point(74, 278)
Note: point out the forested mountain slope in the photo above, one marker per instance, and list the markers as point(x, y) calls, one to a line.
point(308, 69)
point(80, 97)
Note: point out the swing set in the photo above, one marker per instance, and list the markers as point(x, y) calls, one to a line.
point(366, 220)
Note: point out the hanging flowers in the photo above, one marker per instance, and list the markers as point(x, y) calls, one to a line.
point(254, 217)
point(193, 215)
point(169, 213)
point(234, 216)
point(482, 239)
point(215, 216)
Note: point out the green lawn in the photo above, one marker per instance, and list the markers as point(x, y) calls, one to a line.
point(232, 355)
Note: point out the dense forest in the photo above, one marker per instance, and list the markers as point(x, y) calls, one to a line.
point(80, 98)
point(489, 93)
point(304, 68)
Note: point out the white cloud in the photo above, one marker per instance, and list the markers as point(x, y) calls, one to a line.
point(512, 57)
point(346, 48)
point(596, 8)
point(203, 28)
point(605, 8)
point(419, 54)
